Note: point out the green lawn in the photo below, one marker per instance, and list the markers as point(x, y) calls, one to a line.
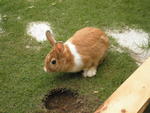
point(23, 83)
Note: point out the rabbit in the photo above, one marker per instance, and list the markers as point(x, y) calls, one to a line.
point(84, 51)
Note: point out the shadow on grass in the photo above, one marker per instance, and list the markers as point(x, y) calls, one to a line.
point(69, 76)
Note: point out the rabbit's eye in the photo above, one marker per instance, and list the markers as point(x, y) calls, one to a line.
point(53, 61)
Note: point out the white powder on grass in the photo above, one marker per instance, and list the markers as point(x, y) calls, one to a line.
point(37, 30)
point(1, 30)
point(132, 39)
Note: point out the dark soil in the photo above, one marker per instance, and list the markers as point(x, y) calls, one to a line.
point(67, 101)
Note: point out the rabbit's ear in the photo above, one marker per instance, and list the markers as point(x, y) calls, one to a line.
point(50, 38)
point(60, 47)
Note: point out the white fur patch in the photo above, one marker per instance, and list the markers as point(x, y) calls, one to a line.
point(77, 58)
point(45, 69)
point(90, 72)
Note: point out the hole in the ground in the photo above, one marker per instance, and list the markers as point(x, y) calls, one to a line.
point(63, 100)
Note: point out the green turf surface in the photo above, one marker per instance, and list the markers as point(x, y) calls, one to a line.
point(23, 83)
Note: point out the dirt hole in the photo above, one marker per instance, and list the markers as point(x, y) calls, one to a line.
point(64, 100)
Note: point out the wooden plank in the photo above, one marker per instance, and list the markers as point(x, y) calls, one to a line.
point(132, 95)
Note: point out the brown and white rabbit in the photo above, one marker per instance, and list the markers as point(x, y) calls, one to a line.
point(85, 50)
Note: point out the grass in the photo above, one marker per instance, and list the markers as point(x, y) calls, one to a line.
point(23, 83)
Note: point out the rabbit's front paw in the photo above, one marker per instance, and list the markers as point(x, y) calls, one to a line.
point(90, 72)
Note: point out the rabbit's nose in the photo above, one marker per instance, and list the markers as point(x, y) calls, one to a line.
point(45, 69)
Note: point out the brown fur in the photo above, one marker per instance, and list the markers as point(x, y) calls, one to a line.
point(91, 44)
point(63, 58)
